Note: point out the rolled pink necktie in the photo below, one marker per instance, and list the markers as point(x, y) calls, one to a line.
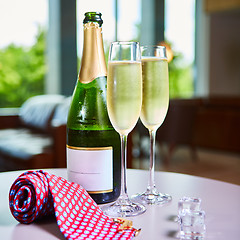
point(35, 194)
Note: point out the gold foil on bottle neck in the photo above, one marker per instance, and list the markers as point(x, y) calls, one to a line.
point(93, 61)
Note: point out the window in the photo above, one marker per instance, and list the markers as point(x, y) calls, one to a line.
point(128, 20)
point(22, 47)
point(23, 42)
point(180, 32)
point(107, 10)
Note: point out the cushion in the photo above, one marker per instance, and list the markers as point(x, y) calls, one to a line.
point(37, 111)
point(22, 143)
point(61, 113)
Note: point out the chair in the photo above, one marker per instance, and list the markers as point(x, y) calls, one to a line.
point(29, 139)
point(178, 127)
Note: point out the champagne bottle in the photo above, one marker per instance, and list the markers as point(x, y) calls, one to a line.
point(93, 146)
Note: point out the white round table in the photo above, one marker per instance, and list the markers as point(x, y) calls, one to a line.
point(220, 201)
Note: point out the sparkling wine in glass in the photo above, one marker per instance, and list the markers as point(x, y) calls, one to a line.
point(124, 100)
point(154, 109)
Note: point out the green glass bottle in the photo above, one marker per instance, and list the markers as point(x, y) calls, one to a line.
point(93, 146)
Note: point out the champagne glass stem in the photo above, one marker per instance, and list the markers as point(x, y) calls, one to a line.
point(123, 194)
point(151, 183)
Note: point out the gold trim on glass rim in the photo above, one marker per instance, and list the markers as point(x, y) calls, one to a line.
point(89, 148)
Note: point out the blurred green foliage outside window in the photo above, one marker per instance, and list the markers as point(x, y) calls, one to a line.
point(181, 82)
point(22, 71)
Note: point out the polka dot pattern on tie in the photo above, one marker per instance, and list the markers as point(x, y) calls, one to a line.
point(35, 194)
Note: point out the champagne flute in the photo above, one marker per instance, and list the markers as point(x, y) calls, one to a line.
point(124, 100)
point(154, 109)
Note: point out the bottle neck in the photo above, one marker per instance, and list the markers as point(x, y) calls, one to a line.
point(93, 61)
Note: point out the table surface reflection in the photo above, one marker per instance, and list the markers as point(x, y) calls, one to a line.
point(220, 201)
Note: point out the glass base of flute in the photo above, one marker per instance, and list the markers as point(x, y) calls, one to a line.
point(123, 207)
point(151, 195)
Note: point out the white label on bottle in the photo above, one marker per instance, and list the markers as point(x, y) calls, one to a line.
point(92, 168)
